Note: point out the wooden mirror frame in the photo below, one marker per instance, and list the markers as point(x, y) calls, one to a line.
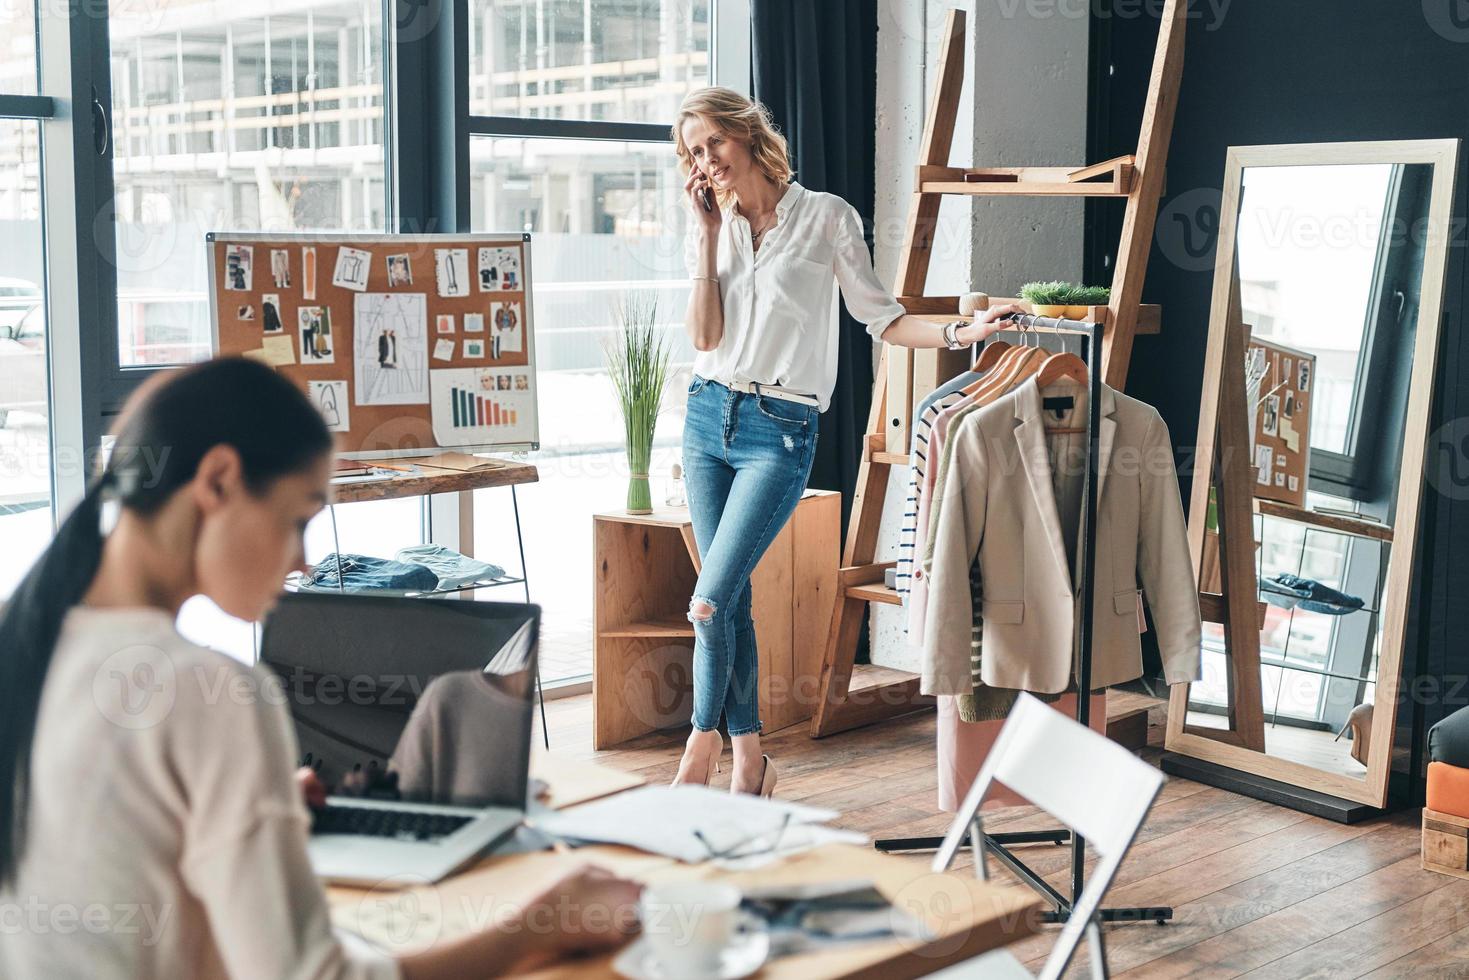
point(1443, 155)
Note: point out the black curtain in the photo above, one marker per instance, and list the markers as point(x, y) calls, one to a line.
point(814, 64)
point(1248, 79)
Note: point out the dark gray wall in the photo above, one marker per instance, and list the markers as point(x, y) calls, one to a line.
point(1262, 71)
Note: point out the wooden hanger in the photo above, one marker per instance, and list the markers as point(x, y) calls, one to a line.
point(990, 355)
point(1010, 355)
point(1062, 367)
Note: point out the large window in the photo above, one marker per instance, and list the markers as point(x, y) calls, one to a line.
point(191, 117)
point(25, 439)
point(263, 118)
point(623, 60)
point(18, 48)
point(573, 103)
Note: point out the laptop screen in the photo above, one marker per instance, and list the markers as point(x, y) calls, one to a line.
point(428, 700)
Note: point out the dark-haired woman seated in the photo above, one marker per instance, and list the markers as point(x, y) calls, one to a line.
point(154, 826)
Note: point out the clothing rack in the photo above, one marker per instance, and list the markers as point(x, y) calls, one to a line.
point(999, 844)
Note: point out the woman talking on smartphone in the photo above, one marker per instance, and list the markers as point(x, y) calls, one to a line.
point(763, 253)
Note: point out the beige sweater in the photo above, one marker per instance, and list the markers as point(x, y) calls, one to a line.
point(166, 833)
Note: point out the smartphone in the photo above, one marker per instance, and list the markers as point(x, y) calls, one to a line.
point(704, 195)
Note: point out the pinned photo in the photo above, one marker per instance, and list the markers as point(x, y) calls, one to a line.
point(499, 268)
point(315, 324)
point(1270, 426)
point(1288, 409)
point(444, 323)
point(506, 322)
point(443, 350)
point(353, 268)
point(522, 382)
point(246, 312)
point(400, 271)
point(308, 272)
point(1293, 483)
point(1303, 375)
point(451, 270)
point(474, 323)
point(280, 268)
point(474, 349)
point(239, 261)
point(1263, 458)
point(502, 382)
point(270, 314)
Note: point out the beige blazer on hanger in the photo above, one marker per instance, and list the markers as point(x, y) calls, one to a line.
point(998, 504)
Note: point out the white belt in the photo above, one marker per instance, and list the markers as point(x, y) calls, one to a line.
point(772, 391)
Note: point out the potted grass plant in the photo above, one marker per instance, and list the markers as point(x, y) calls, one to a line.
point(1084, 297)
point(637, 359)
point(1047, 298)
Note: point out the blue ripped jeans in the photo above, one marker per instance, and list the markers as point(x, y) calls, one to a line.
point(745, 459)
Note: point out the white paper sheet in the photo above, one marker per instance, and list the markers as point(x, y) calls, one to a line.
point(451, 269)
point(663, 820)
point(353, 269)
point(390, 334)
point(330, 399)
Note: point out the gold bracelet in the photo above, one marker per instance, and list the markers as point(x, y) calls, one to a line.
point(705, 278)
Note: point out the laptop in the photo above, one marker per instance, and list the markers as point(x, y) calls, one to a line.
point(416, 715)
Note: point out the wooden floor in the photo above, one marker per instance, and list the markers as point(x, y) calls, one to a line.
point(1258, 890)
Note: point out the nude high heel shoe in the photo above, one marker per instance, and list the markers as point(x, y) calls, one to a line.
point(713, 768)
point(767, 777)
point(1360, 722)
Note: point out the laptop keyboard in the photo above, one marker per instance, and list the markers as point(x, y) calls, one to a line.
point(398, 824)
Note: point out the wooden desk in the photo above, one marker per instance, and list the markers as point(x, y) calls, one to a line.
point(432, 480)
point(965, 917)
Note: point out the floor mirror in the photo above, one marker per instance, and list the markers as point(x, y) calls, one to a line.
point(1318, 379)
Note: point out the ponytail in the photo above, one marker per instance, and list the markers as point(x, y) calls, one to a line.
point(230, 401)
point(28, 631)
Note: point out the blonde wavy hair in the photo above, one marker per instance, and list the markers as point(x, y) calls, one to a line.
point(739, 118)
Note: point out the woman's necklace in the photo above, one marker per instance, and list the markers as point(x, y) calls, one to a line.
point(755, 235)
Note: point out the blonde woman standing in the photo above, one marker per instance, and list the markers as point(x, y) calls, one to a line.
point(763, 254)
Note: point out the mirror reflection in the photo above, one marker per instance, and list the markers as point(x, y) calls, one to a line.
point(1330, 262)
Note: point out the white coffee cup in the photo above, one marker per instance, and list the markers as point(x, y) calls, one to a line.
point(689, 925)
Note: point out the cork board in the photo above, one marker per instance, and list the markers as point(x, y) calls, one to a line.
point(406, 343)
point(1282, 422)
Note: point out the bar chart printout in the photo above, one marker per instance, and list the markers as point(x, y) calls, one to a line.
point(489, 406)
point(473, 410)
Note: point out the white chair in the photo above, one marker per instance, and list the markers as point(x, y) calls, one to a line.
point(1089, 783)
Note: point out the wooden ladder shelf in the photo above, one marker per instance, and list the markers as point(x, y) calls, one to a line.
point(853, 695)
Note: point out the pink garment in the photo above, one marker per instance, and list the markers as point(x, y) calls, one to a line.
point(918, 585)
point(963, 746)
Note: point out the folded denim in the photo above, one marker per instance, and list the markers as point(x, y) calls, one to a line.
point(452, 569)
point(364, 573)
point(1289, 591)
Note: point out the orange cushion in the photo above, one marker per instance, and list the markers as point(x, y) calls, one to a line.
point(1448, 789)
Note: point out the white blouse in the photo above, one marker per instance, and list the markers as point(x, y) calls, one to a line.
point(780, 318)
point(166, 835)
